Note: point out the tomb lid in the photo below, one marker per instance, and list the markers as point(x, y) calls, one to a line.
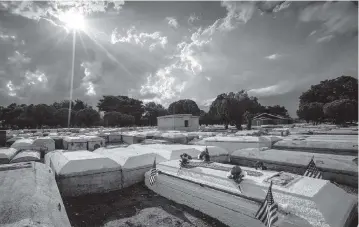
point(245, 139)
point(324, 161)
point(308, 198)
point(129, 158)
point(7, 153)
point(80, 163)
point(26, 156)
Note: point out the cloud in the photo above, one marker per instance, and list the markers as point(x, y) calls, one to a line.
point(325, 39)
point(277, 89)
point(337, 17)
point(273, 56)
point(172, 22)
point(237, 13)
point(140, 38)
point(192, 19)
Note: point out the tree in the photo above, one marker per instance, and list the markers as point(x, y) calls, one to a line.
point(152, 111)
point(61, 116)
point(43, 115)
point(311, 112)
point(184, 106)
point(342, 111)
point(344, 87)
point(275, 110)
point(79, 105)
point(231, 107)
point(122, 104)
point(87, 117)
point(114, 118)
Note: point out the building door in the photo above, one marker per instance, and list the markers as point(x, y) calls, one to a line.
point(186, 123)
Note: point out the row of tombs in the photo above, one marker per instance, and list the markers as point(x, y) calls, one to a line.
point(202, 188)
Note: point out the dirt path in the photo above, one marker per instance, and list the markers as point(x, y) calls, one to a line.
point(135, 206)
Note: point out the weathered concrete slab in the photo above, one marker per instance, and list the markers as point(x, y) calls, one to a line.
point(302, 201)
point(84, 172)
point(26, 156)
point(339, 168)
point(46, 142)
point(130, 139)
point(175, 150)
point(24, 144)
point(6, 154)
point(327, 146)
point(30, 197)
point(134, 162)
point(235, 143)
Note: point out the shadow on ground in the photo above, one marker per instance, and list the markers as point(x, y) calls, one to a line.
point(134, 206)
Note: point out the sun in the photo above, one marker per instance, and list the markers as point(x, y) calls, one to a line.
point(73, 20)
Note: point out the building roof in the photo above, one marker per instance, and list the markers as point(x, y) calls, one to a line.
point(178, 116)
point(270, 116)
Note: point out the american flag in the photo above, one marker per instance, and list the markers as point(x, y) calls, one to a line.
point(153, 173)
point(267, 213)
point(312, 170)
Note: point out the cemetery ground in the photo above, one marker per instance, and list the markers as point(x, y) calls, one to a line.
point(136, 206)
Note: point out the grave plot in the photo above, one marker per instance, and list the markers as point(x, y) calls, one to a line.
point(339, 168)
point(320, 145)
point(32, 201)
point(134, 162)
point(217, 154)
point(84, 172)
point(26, 156)
point(6, 154)
point(25, 144)
point(302, 201)
point(47, 143)
point(235, 143)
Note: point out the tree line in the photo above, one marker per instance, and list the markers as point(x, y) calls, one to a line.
point(333, 100)
point(227, 109)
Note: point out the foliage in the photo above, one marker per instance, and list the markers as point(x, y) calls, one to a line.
point(311, 112)
point(114, 118)
point(61, 116)
point(122, 104)
point(87, 117)
point(332, 100)
point(152, 111)
point(231, 107)
point(184, 106)
point(342, 111)
point(344, 87)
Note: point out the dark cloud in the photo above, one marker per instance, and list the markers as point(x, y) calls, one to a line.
point(275, 50)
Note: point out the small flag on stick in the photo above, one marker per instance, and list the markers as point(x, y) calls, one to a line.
point(312, 170)
point(153, 173)
point(268, 212)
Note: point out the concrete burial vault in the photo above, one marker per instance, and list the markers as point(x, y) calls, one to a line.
point(134, 162)
point(340, 168)
point(32, 201)
point(84, 172)
point(302, 201)
point(26, 156)
point(234, 143)
point(6, 154)
point(328, 145)
point(173, 151)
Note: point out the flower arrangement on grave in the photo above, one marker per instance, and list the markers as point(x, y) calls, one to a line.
point(204, 155)
point(185, 159)
point(260, 165)
point(236, 173)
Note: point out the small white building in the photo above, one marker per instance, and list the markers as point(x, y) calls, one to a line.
point(185, 122)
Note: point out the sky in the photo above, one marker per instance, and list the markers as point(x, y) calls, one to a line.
point(166, 51)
